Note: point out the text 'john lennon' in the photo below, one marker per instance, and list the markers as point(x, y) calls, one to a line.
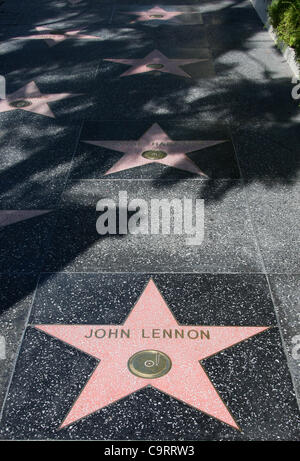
point(154, 333)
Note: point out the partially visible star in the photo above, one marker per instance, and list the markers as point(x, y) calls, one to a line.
point(155, 14)
point(30, 98)
point(185, 380)
point(156, 143)
point(8, 217)
point(52, 36)
point(155, 61)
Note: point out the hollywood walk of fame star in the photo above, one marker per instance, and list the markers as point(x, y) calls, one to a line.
point(174, 359)
point(155, 13)
point(8, 217)
point(155, 146)
point(155, 61)
point(52, 36)
point(30, 98)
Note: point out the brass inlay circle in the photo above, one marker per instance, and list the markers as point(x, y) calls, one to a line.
point(155, 66)
point(154, 154)
point(20, 103)
point(156, 16)
point(149, 364)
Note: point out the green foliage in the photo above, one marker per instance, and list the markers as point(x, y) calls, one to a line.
point(285, 18)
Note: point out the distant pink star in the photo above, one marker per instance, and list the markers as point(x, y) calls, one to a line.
point(156, 13)
point(53, 37)
point(8, 217)
point(155, 61)
point(186, 379)
point(157, 141)
point(30, 98)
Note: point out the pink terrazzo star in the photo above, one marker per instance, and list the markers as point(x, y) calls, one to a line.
point(30, 98)
point(8, 217)
point(185, 380)
point(155, 61)
point(53, 37)
point(155, 14)
point(157, 141)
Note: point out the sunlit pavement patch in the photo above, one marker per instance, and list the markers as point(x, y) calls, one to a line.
point(63, 66)
point(275, 214)
point(228, 244)
point(186, 98)
point(15, 301)
point(2, 348)
point(236, 36)
point(240, 376)
point(75, 2)
point(286, 290)
point(262, 64)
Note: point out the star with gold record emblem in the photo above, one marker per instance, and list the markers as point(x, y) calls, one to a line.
point(156, 146)
point(155, 61)
point(150, 349)
point(30, 99)
point(156, 14)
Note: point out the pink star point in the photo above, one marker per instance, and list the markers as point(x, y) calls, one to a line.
point(34, 100)
point(186, 380)
point(156, 139)
point(156, 58)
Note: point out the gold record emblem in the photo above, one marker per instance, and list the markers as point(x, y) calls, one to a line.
point(154, 154)
point(155, 66)
point(20, 103)
point(149, 364)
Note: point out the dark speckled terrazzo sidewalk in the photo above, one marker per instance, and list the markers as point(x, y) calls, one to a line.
point(222, 317)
